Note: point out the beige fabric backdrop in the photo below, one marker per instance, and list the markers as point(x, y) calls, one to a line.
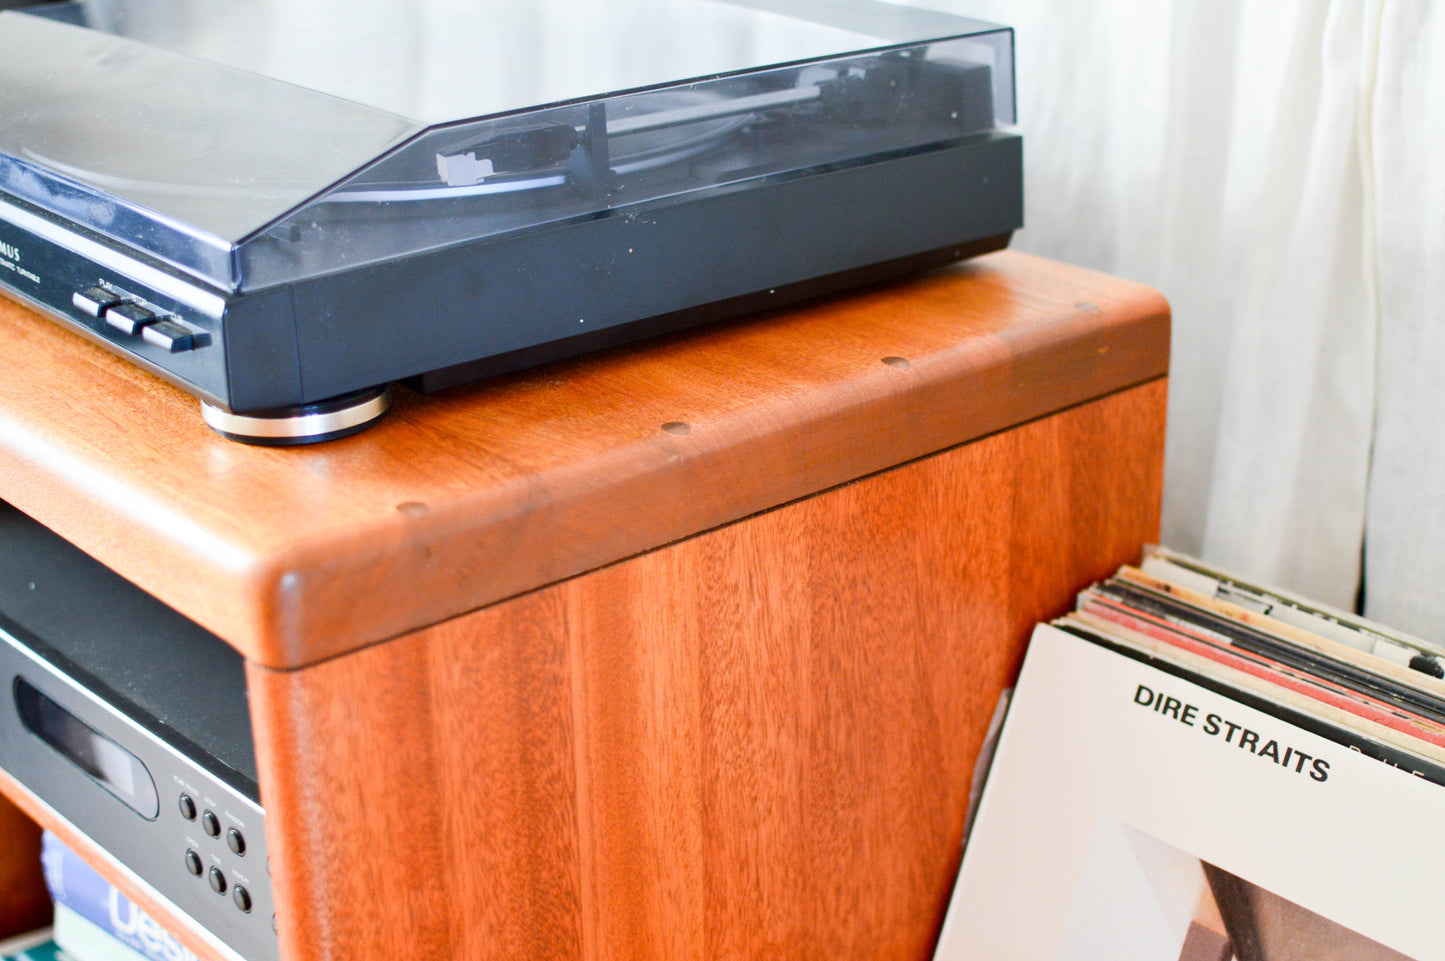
point(1276, 169)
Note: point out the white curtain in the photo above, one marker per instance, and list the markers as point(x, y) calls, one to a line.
point(1278, 171)
point(1405, 529)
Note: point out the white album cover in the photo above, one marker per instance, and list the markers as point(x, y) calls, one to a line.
point(1132, 815)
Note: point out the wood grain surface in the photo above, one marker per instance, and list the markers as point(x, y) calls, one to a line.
point(463, 498)
point(752, 743)
point(24, 903)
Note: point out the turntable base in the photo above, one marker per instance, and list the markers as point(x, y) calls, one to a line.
point(303, 423)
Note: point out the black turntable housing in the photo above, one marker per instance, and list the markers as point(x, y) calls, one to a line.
point(289, 253)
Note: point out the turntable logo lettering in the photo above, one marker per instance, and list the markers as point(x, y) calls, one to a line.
point(9, 260)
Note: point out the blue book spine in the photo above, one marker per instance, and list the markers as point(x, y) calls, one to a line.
point(75, 884)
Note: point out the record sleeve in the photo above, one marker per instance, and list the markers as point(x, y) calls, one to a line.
point(1357, 690)
point(1283, 606)
point(1128, 805)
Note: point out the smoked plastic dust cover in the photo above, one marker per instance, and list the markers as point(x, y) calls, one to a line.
point(241, 148)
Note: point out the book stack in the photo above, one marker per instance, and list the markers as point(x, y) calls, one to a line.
point(1197, 767)
point(38, 946)
point(94, 921)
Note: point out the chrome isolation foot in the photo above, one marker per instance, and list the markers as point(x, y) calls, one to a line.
point(302, 424)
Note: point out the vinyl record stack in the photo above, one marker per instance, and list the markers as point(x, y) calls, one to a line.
point(1195, 767)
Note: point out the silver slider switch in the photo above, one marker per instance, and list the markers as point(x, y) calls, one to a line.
point(95, 300)
point(171, 336)
point(128, 318)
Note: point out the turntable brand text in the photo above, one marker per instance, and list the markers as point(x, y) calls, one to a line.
point(10, 260)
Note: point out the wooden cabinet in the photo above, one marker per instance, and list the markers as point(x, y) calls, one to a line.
point(684, 650)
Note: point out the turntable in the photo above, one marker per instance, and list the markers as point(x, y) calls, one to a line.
point(286, 208)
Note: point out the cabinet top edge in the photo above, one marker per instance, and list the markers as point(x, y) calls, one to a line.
point(463, 498)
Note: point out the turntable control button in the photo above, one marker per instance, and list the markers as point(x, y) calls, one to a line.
point(211, 823)
point(94, 300)
point(242, 897)
point(193, 863)
point(218, 881)
point(188, 807)
point(169, 335)
point(236, 842)
point(128, 318)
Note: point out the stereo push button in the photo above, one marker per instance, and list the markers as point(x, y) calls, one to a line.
point(211, 824)
point(193, 863)
point(236, 842)
point(242, 897)
point(218, 881)
point(187, 806)
point(170, 336)
point(95, 300)
point(128, 318)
